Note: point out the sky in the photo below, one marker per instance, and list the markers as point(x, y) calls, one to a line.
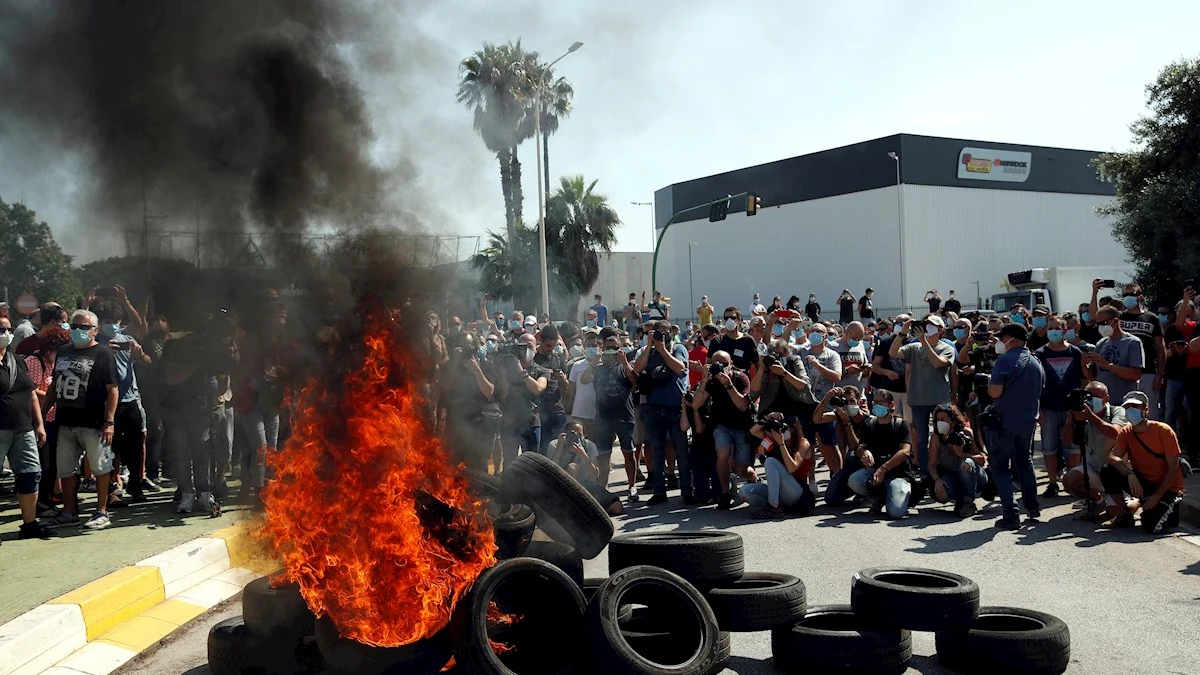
point(670, 90)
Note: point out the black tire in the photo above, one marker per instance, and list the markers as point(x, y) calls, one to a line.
point(486, 485)
point(548, 635)
point(590, 584)
point(535, 480)
point(1008, 640)
point(424, 657)
point(277, 612)
point(644, 633)
point(914, 598)
point(758, 601)
point(561, 556)
point(514, 530)
point(704, 558)
point(691, 645)
point(833, 639)
point(550, 527)
point(233, 649)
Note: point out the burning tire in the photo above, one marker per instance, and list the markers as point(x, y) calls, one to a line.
point(758, 601)
point(424, 657)
point(833, 639)
point(546, 635)
point(276, 612)
point(561, 556)
point(486, 485)
point(1008, 640)
point(914, 598)
point(704, 558)
point(233, 649)
point(514, 530)
point(535, 480)
point(688, 644)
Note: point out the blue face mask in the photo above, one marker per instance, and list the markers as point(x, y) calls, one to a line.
point(815, 339)
point(558, 350)
point(1130, 301)
point(591, 323)
point(1070, 334)
point(110, 328)
point(80, 337)
point(1133, 416)
point(1017, 318)
point(960, 333)
point(777, 330)
point(491, 345)
point(1097, 405)
point(1040, 321)
point(1085, 317)
point(853, 343)
point(65, 326)
point(591, 352)
point(482, 351)
point(1163, 318)
point(879, 410)
point(1055, 335)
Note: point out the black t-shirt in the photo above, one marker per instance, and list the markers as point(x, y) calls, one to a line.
point(724, 411)
point(742, 351)
point(1036, 341)
point(81, 379)
point(896, 386)
point(1146, 327)
point(1176, 366)
point(214, 356)
point(460, 392)
point(866, 308)
point(884, 441)
point(813, 310)
point(934, 304)
point(953, 305)
point(614, 394)
point(847, 307)
point(521, 405)
point(16, 405)
point(552, 403)
point(1089, 334)
point(702, 442)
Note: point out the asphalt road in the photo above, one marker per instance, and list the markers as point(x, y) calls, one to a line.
point(1132, 602)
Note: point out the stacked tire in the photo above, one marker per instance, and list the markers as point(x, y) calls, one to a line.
point(273, 636)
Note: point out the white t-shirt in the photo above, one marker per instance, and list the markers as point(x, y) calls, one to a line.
point(757, 309)
point(584, 406)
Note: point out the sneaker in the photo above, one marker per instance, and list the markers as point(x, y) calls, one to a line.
point(139, 498)
point(672, 482)
point(64, 519)
point(125, 474)
point(768, 513)
point(1051, 490)
point(187, 501)
point(35, 530)
point(1034, 515)
point(689, 498)
point(657, 498)
point(48, 512)
point(640, 475)
point(724, 501)
point(208, 502)
point(98, 521)
point(88, 485)
point(878, 504)
point(1009, 523)
point(150, 486)
point(966, 510)
point(989, 492)
point(1120, 520)
point(633, 494)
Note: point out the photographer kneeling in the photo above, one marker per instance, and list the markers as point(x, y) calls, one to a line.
point(1103, 422)
point(884, 453)
point(956, 467)
point(788, 465)
point(579, 456)
point(841, 409)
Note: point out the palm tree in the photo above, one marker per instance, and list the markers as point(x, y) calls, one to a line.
point(495, 87)
point(510, 272)
point(556, 97)
point(579, 224)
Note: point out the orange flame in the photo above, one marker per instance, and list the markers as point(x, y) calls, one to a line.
point(497, 618)
point(370, 515)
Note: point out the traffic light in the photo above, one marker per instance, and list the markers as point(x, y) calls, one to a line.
point(718, 211)
point(753, 201)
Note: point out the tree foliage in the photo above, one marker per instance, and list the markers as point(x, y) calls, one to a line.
point(1157, 208)
point(31, 261)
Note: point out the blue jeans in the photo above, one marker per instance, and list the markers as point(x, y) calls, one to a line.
point(781, 488)
point(920, 422)
point(262, 430)
point(1175, 404)
point(662, 427)
point(838, 488)
point(898, 491)
point(1011, 452)
point(965, 484)
point(1053, 422)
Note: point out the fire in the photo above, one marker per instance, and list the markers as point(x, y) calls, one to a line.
point(497, 618)
point(370, 515)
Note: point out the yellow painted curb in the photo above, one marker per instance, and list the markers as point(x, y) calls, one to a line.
point(245, 549)
point(115, 598)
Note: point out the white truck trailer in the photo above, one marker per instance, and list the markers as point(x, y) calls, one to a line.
point(1062, 289)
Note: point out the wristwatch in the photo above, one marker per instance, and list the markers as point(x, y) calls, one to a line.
point(109, 423)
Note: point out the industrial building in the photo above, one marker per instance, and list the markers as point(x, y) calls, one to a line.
point(901, 212)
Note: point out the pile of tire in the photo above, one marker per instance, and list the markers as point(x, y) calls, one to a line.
point(275, 634)
point(873, 633)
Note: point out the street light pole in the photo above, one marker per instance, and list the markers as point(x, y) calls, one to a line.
point(900, 229)
point(537, 131)
point(691, 288)
point(978, 297)
point(653, 231)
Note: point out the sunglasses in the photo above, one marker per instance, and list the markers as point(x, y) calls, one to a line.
point(81, 326)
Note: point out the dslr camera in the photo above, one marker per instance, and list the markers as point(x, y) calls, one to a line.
point(769, 360)
point(769, 424)
point(1078, 400)
point(839, 400)
point(715, 369)
point(658, 336)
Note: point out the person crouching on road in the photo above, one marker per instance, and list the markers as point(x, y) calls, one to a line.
point(789, 460)
point(956, 467)
point(578, 454)
point(884, 452)
point(1145, 465)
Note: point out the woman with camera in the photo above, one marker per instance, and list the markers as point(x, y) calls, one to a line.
point(788, 463)
point(957, 468)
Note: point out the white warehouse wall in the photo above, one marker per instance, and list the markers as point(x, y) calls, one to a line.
point(621, 273)
point(952, 237)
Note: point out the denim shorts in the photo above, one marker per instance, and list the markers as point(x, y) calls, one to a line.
point(743, 452)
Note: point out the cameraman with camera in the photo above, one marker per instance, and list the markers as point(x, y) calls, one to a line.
point(611, 376)
point(840, 409)
point(467, 398)
point(525, 381)
point(779, 384)
point(956, 467)
point(662, 378)
point(1101, 422)
point(1015, 387)
point(1145, 465)
point(727, 390)
point(788, 464)
point(1063, 365)
point(929, 360)
point(884, 452)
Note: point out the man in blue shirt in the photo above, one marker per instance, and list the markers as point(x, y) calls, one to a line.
point(1016, 387)
point(601, 312)
point(662, 373)
point(129, 430)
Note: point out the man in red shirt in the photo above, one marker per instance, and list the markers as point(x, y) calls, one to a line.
point(698, 353)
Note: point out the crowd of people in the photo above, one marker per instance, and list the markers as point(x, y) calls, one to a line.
point(729, 409)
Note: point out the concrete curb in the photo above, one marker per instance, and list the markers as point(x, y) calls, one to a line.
point(99, 627)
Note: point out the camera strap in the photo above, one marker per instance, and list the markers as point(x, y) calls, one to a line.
point(1004, 390)
point(1156, 455)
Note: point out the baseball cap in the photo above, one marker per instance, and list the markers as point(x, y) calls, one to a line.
point(531, 320)
point(1014, 330)
point(1041, 309)
point(1136, 398)
point(936, 320)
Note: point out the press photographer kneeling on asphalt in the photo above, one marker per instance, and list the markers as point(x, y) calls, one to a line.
point(574, 452)
point(884, 452)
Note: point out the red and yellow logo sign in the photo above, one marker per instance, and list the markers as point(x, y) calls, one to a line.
point(978, 165)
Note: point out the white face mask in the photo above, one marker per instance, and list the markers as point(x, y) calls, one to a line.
point(852, 410)
point(576, 351)
point(731, 325)
point(787, 436)
point(1105, 330)
point(931, 329)
point(6, 338)
point(943, 427)
point(1000, 348)
point(897, 328)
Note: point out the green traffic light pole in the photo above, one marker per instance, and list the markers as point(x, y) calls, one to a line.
point(670, 221)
